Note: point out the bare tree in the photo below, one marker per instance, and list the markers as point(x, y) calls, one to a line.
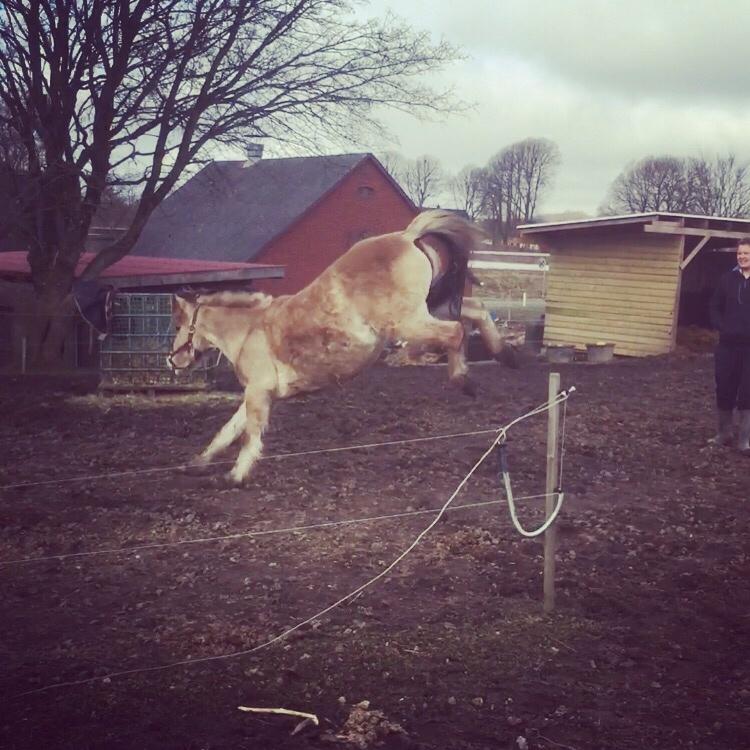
point(497, 191)
point(12, 152)
point(514, 181)
point(394, 163)
point(422, 179)
point(713, 188)
point(718, 188)
point(537, 158)
point(133, 92)
point(651, 184)
point(116, 208)
point(466, 189)
point(13, 185)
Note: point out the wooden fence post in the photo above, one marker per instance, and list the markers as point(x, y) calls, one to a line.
point(553, 461)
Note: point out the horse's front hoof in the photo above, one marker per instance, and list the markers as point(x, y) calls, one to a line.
point(234, 480)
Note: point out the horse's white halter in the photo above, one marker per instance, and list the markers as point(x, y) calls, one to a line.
point(187, 345)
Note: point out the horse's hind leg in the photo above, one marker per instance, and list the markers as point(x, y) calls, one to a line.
point(458, 371)
point(257, 411)
point(427, 332)
point(224, 437)
point(475, 312)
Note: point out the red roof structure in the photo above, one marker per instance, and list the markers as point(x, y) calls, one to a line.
point(141, 271)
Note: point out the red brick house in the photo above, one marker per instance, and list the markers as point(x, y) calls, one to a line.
point(301, 213)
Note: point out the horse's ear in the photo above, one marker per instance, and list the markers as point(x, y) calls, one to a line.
point(184, 296)
point(180, 305)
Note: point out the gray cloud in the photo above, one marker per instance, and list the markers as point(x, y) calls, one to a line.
point(609, 82)
point(639, 48)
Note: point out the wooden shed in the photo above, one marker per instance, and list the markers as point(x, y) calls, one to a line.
point(630, 280)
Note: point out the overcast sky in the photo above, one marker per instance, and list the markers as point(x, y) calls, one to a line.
point(610, 81)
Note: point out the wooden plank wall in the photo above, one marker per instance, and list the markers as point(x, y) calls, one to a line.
point(617, 287)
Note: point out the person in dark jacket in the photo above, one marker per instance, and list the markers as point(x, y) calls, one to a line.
point(730, 315)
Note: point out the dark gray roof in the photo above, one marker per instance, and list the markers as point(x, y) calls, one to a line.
point(229, 211)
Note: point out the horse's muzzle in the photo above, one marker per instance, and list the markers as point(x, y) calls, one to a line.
point(193, 354)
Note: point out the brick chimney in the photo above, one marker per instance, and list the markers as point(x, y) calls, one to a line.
point(254, 153)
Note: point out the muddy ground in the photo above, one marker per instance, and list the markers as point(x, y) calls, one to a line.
point(647, 648)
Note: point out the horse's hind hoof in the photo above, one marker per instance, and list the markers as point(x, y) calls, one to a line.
point(509, 357)
point(469, 387)
point(196, 467)
point(193, 469)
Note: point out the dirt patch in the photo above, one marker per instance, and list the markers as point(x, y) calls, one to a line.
point(648, 647)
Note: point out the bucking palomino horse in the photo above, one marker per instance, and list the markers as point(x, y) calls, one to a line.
point(378, 293)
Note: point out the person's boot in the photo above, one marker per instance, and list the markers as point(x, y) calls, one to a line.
point(725, 433)
point(743, 432)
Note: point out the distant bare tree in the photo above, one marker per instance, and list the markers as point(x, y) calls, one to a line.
point(514, 181)
point(116, 209)
point(134, 92)
point(393, 163)
point(538, 158)
point(718, 188)
point(14, 185)
point(497, 191)
point(696, 185)
point(13, 157)
point(422, 179)
point(466, 190)
point(651, 184)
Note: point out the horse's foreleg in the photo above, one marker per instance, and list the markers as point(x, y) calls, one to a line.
point(257, 410)
point(225, 436)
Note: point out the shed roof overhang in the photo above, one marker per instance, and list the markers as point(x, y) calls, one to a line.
point(664, 223)
point(146, 281)
point(138, 272)
point(705, 228)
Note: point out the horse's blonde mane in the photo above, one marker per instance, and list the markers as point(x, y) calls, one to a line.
point(235, 299)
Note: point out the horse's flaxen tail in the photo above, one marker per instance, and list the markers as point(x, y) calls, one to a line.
point(461, 237)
